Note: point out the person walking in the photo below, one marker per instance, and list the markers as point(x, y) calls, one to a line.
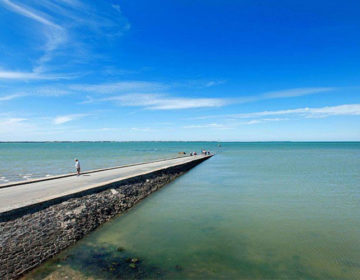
point(77, 166)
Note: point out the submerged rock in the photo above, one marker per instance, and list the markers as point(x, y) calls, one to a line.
point(178, 267)
point(120, 249)
point(132, 260)
point(65, 258)
point(132, 265)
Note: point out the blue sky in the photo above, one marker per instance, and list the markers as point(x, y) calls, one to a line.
point(179, 70)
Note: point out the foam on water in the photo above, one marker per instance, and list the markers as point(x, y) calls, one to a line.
point(3, 179)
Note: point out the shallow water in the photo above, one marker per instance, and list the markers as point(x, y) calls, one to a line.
point(254, 211)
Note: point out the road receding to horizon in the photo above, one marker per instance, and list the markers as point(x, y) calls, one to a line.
point(27, 194)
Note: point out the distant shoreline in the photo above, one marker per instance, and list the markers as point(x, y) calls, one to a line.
point(179, 141)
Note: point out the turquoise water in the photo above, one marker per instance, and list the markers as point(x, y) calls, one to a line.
point(253, 211)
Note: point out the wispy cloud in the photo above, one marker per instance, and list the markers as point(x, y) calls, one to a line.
point(233, 124)
point(12, 75)
point(120, 87)
point(340, 110)
point(254, 118)
point(214, 83)
point(29, 13)
point(92, 92)
point(155, 101)
point(164, 102)
point(19, 75)
point(295, 92)
point(11, 121)
point(59, 24)
point(9, 97)
point(257, 121)
point(68, 118)
point(48, 91)
point(288, 93)
point(209, 125)
point(116, 7)
point(54, 33)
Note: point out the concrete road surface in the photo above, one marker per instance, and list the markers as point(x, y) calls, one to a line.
point(27, 194)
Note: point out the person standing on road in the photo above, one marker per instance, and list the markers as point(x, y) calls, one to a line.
point(77, 166)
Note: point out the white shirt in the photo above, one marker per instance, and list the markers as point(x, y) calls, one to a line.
point(77, 164)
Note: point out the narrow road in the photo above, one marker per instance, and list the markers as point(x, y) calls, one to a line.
point(27, 194)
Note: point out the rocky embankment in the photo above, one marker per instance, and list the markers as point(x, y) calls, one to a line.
point(30, 237)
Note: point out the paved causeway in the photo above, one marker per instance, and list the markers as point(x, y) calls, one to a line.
point(27, 193)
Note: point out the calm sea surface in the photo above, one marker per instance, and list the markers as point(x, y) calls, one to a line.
point(253, 211)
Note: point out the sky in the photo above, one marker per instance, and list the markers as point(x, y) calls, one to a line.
point(215, 70)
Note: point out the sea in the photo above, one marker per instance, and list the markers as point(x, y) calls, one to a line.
point(269, 210)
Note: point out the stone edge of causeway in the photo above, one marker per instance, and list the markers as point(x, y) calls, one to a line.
point(32, 234)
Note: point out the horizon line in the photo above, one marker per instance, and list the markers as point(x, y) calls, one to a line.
point(183, 141)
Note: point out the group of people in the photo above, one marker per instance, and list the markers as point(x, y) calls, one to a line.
point(203, 152)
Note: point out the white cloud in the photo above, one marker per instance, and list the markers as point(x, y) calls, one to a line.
point(11, 121)
point(214, 83)
point(120, 87)
point(9, 97)
point(232, 124)
point(164, 102)
point(12, 75)
point(88, 100)
point(209, 125)
point(340, 110)
point(29, 13)
point(256, 121)
point(295, 92)
point(17, 75)
point(68, 118)
point(54, 91)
